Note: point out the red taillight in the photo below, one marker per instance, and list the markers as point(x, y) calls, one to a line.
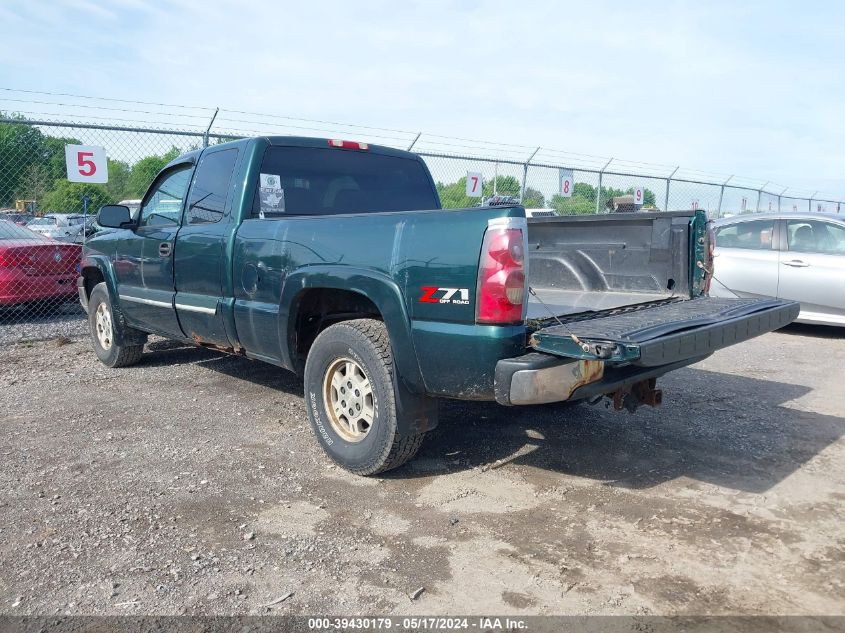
point(501, 276)
point(348, 144)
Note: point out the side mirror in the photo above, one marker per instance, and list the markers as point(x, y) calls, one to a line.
point(114, 216)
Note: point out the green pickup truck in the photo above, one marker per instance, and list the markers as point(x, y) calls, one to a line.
point(334, 259)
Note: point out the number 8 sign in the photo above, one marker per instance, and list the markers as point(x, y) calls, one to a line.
point(86, 163)
point(567, 182)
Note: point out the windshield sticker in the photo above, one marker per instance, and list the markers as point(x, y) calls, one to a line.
point(271, 194)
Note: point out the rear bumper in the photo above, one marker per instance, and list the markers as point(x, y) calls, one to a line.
point(542, 379)
point(16, 289)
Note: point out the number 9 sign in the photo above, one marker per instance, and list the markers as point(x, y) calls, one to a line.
point(638, 196)
point(86, 163)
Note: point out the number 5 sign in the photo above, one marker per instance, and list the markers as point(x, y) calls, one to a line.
point(86, 163)
point(474, 182)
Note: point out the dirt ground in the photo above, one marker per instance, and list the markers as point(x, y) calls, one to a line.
point(191, 484)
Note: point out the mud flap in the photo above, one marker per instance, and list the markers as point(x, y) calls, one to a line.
point(415, 413)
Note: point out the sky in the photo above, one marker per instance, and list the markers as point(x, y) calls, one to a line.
point(748, 88)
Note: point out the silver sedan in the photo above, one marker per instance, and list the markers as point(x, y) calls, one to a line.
point(798, 256)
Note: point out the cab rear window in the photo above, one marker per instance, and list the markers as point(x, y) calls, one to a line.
point(317, 181)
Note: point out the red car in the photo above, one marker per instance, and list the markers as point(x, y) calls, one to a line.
point(34, 268)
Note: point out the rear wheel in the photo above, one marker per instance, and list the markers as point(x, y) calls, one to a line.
point(103, 324)
point(351, 400)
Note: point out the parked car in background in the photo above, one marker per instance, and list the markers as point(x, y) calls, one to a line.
point(132, 205)
point(34, 268)
point(798, 256)
point(65, 227)
point(20, 219)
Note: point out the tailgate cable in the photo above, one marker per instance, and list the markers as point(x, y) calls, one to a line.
point(709, 271)
point(577, 340)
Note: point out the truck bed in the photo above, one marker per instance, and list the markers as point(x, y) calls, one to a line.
point(598, 262)
point(569, 302)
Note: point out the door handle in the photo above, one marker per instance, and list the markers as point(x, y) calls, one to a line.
point(164, 249)
point(796, 263)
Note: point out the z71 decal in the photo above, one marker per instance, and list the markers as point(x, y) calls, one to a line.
point(430, 294)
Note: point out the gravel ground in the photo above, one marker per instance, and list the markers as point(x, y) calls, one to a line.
point(28, 323)
point(191, 484)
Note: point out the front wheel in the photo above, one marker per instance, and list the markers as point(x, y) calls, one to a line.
point(351, 401)
point(101, 320)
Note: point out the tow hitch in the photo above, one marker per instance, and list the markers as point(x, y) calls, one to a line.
point(638, 394)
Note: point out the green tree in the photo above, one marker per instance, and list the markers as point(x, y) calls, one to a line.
point(66, 197)
point(575, 205)
point(505, 186)
point(118, 184)
point(533, 199)
point(145, 170)
point(34, 184)
point(29, 159)
point(453, 196)
point(585, 191)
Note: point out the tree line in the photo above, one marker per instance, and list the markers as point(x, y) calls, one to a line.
point(32, 167)
point(582, 202)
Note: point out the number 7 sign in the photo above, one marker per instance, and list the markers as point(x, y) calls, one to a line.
point(86, 163)
point(474, 183)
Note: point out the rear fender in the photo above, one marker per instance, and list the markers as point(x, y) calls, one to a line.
point(378, 288)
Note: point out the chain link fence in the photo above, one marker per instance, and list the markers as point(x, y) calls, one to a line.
point(44, 221)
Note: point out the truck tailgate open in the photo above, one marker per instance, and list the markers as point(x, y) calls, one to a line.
point(673, 331)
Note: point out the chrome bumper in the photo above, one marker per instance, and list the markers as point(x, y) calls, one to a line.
point(541, 378)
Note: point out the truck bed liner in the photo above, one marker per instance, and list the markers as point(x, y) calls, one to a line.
point(567, 302)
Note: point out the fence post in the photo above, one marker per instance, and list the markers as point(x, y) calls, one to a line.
point(722, 195)
point(780, 195)
point(668, 181)
point(760, 195)
point(525, 172)
point(414, 142)
point(810, 201)
point(208, 129)
point(598, 191)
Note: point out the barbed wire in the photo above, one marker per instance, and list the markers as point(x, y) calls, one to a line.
point(423, 141)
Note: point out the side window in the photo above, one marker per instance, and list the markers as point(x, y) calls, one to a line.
point(164, 204)
point(207, 200)
point(754, 235)
point(814, 236)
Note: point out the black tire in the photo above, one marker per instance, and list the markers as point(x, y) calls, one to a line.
point(383, 447)
point(111, 355)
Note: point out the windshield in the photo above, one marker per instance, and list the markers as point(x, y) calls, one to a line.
point(317, 181)
point(43, 222)
point(11, 231)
